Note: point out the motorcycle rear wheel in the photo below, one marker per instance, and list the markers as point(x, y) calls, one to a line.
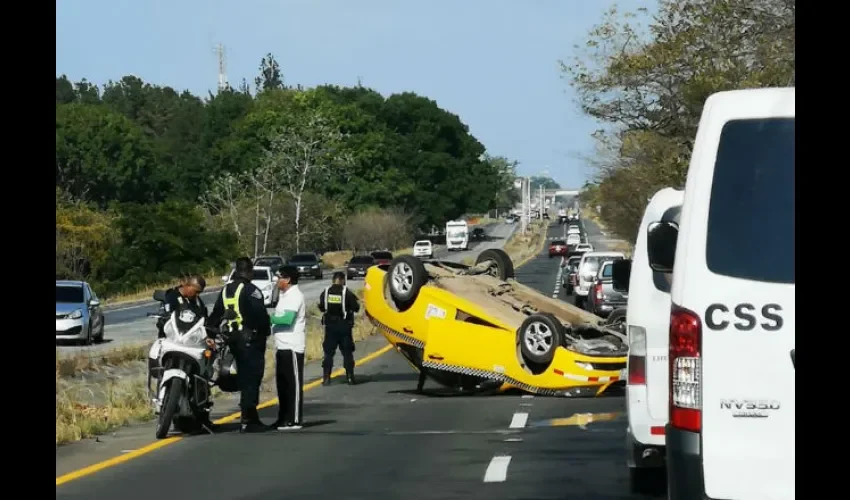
point(171, 404)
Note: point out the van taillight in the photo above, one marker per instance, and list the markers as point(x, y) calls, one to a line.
point(637, 356)
point(685, 370)
point(598, 290)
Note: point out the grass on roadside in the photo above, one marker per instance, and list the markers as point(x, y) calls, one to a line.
point(522, 247)
point(83, 413)
point(93, 361)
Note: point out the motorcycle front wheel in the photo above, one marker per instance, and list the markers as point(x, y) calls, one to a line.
point(170, 405)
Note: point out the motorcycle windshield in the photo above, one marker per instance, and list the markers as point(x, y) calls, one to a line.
point(192, 336)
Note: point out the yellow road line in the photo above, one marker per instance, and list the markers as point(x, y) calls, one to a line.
point(111, 462)
point(582, 419)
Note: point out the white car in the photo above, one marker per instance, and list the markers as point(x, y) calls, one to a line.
point(266, 281)
point(584, 247)
point(573, 230)
point(648, 325)
point(573, 239)
point(731, 431)
point(587, 269)
point(423, 248)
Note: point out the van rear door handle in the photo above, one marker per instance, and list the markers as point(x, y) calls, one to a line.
point(793, 359)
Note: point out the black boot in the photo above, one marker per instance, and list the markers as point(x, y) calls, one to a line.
point(349, 378)
point(251, 422)
point(326, 377)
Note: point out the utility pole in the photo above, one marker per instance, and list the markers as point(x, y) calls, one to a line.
point(222, 67)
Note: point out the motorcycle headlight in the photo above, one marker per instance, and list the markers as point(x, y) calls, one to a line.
point(76, 314)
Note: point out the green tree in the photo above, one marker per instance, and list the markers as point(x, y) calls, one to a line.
point(270, 77)
point(102, 156)
point(647, 83)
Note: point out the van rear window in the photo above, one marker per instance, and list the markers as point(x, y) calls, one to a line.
point(751, 215)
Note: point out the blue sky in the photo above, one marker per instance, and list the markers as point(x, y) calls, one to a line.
point(492, 62)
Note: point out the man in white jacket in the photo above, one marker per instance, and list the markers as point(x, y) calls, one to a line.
point(289, 324)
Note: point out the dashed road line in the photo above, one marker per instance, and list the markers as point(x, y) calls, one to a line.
point(528, 396)
point(519, 420)
point(557, 290)
point(497, 471)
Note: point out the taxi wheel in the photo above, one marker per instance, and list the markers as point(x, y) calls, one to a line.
point(503, 267)
point(539, 337)
point(405, 277)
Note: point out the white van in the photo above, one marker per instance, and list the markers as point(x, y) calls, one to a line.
point(731, 433)
point(648, 328)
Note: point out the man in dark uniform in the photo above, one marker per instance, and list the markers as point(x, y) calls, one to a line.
point(338, 305)
point(185, 295)
point(249, 331)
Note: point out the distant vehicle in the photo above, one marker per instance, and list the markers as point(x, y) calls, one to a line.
point(382, 258)
point(557, 248)
point(478, 233)
point(588, 267)
point(511, 219)
point(569, 278)
point(307, 264)
point(574, 230)
point(358, 265)
point(603, 299)
point(457, 235)
point(423, 249)
point(264, 279)
point(79, 317)
point(584, 247)
point(732, 330)
point(274, 262)
point(573, 239)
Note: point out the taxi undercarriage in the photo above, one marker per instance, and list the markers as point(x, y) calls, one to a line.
point(476, 328)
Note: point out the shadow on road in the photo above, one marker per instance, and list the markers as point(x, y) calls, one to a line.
point(386, 377)
point(72, 343)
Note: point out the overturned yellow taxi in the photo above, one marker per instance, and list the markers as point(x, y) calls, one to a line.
point(477, 328)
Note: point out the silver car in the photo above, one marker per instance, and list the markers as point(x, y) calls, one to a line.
point(79, 317)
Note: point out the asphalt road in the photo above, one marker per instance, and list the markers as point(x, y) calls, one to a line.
point(130, 325)
point(380, 440)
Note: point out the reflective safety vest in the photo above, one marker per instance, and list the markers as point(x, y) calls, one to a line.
point(233, 303)
point(335, 301)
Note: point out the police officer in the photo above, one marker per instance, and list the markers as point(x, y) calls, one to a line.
point(249, 330)
point(338, 306)
point(186, 295)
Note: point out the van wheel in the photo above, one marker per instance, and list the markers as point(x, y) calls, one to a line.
point(502, 267)
point(646, 480)
point(539, 337)
point(405, 277)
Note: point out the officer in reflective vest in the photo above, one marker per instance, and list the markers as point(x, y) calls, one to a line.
point(338, 306)
point(249, 329)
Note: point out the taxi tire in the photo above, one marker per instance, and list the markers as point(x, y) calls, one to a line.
point(403, 300)
point(504, 264)
point(534, 359)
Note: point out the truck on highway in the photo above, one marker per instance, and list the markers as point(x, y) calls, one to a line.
point(457, 235)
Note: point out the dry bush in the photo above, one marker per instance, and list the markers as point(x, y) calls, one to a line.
point(378, 229)
point(83, 411)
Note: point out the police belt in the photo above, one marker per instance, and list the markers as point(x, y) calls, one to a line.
point(329, 318)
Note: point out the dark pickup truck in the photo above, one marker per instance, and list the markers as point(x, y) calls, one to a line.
point(603, 299)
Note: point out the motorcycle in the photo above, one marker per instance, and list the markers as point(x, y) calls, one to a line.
point(183, 370)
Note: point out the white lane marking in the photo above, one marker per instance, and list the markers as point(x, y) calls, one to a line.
point(525, 404)
point(527, 396)
point(519, 420)
point(497, 471)
point(513, 440)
